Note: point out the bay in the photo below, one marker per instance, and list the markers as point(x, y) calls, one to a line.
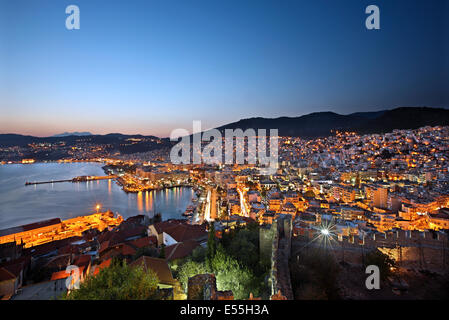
point(20, 204)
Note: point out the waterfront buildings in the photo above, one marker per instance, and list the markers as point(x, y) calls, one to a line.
point(363, 188)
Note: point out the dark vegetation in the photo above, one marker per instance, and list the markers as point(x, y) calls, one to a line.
point(118, 282)
point(383, 261)
point(234, 260)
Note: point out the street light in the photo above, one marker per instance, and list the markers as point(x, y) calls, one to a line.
point(98, 208)
point(325, 232)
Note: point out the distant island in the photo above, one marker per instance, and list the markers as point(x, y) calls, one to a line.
point(67, 134)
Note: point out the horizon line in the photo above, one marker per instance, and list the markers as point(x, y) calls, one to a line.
point(242, 119)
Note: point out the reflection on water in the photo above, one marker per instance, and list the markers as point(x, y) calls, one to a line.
point(20, 204)
point(147, 202)
point(140, 202)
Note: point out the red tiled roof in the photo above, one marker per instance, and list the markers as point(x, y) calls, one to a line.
point(117, 250)
point(128, 250)
point(5, 275)
point(180, 250)
point(143, 242)
point(104, 236)
point(59, 261)
point(59, 275)
point(50, 246)
point(131, 231)
point(63, 274)
point(106, 263)
point(119, 236)
point(163, 225)
point(184, 232)
point(159, 266)
point(103, 246)
point(82, 260)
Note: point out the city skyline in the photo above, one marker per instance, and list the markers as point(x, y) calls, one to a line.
point(150, 67)
point(222, 154)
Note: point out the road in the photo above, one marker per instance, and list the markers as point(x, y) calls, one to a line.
point(243, 204)
point(210, 211)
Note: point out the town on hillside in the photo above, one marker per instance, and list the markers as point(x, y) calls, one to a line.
point(333, 206)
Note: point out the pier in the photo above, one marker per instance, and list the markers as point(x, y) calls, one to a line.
point(74, 180)
point(38, 233)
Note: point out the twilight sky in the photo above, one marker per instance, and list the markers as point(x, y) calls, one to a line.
point(152, 66)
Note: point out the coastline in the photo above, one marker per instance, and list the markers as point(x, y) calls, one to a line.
point(22, 204)
point(52, 161)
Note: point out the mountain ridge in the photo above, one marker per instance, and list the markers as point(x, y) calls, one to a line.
point(312, 125)
point(320, 124)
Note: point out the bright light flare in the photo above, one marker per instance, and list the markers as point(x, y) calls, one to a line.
point(325, 232)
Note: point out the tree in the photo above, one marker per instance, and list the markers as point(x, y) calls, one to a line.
point(189, 269)
point(234, 260)
point(198, 254)
point(244, 247)
point(231, 275)
point(118, 282)
point(211, 246)
point(382, 260)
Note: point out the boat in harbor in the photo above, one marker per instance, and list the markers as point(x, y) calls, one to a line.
point(189, 211)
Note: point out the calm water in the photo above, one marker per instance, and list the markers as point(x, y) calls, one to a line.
point(20, 204)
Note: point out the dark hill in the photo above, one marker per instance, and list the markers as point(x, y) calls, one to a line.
point(320, 124)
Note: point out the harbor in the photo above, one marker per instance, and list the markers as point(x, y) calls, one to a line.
point(74, 180)
point(69, 200)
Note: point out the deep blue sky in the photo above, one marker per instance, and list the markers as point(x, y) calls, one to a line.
point(151, 66)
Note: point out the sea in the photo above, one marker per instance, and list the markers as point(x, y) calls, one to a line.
point(20, 204)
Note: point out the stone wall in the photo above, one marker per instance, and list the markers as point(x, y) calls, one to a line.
point(266, 238)
point(279, 279)
point(412, 250)
point(204, 287)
